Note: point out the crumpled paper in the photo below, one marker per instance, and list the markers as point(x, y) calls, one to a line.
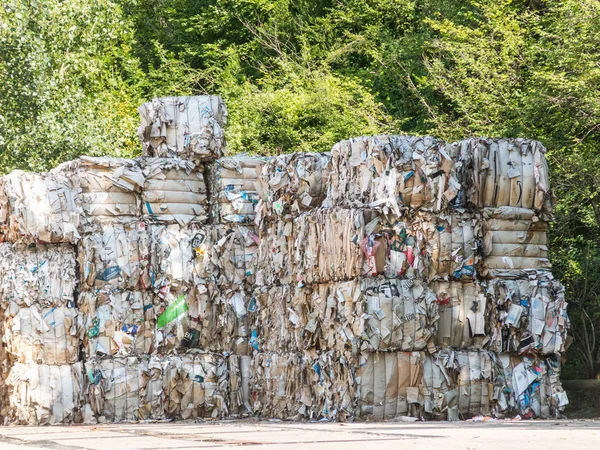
point(187, 127)
point(174, 190)
point(42, 335)
point(292, 183)
point(41, 394)
point(237, 188)
point(106, 188)
point(43, 275)
point(115, 256)
point(38, 208)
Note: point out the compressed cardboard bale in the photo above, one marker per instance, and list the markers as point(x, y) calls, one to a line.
point(174, 191)
point(185, 127)
point(390, 384)
point(38, 208)
point(515, 243)
point(392, 173)
point(237, 190)
point(529, 387)
point(334, 244)
point(119, 323)
point(293, 386)
point(274, 264)
point(463, 314)
point(107, 188)
point(326, 245)
point(172, 264)
point(292, 183)
point(458, 384)
point(41, 394)
point(367, 314)
point(120, 389)
point(115, 256)
point(528, 316)
point(445, 385)
point(42, 335)
point(453, 244)
point(504, 172)
point(196, 386)
point(42, 275)
point(205, 318)
point(339, 244)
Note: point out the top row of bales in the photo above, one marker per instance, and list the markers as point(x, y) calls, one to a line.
point(183, 178)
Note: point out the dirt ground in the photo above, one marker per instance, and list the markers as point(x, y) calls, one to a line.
point(271, 435)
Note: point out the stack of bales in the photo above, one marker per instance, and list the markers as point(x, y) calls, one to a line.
point(42, 373)
point(387, 297)
point(142, 298)
point(393, 276)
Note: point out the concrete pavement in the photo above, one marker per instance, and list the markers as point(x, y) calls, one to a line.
point(269, 435)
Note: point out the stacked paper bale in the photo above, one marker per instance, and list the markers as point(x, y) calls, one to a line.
point(42, 374)
point(141, 293)
point(398, 260)
point(197, 258)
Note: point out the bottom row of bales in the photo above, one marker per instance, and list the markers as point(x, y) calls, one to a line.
point(447, 384)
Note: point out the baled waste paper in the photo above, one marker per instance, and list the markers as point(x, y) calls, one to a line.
point(174, 190)
point(190, 386)
point(463, 314)
point(504, 172)
point(42, 394)
point(366, 314)
point(392, 173)
point(42, 335)
point(515, 242)
point(226, 255)
point(119, 323)
point(531, 315)
point(448, 385)
point(235, 180)
point(185, 127)
point(120, 389)
point(396, 276)
point(115, 255)
point(107, 188)
point(38, 208)
point(42, 274)
point(292, 183)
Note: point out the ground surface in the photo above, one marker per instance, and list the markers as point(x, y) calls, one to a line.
point(565, 434)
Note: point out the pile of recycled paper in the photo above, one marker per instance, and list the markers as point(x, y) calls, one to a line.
point(393, 276)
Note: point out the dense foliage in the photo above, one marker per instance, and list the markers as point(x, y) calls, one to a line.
point(302, 74)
